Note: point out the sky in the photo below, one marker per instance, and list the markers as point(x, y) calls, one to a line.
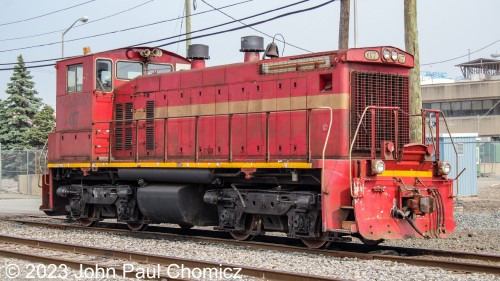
point(447, 29)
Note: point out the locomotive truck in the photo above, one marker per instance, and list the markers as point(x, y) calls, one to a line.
point(316, 146)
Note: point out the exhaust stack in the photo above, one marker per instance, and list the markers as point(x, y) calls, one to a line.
point(252, 46)
point(198, 53)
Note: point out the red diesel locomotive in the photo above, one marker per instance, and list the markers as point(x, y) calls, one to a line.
point(315, 146)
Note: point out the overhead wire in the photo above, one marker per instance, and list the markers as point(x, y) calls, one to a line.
point(218, 32)
point(118, 31)
point(253, 24)
point(89, 22)
point(230, 22)
point(44, 15)
point(456, 58)
point(261, 32)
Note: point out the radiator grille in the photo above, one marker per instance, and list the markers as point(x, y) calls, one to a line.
point(379, 89)
point(119, 126)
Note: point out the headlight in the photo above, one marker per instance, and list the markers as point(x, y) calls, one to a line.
point(378, 167)
point(386, 54)
point(394, 55)
point(444, 168)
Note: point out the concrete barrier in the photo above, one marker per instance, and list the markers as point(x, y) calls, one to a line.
point(28, 184)
point(489, 169)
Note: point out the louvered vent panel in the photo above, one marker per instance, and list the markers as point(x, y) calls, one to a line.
point(150, 112)
point(150, 129)
point(128, 139)
point(119, 126)
point(129, 113)
point(150, 138)
point(380, 90)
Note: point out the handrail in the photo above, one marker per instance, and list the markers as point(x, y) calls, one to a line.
point(439, 112)
point(323, 190)
point(137, 120)
point(356, 135)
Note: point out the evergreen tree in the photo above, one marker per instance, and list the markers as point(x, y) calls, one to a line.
point(43, 123)
point(18, 110)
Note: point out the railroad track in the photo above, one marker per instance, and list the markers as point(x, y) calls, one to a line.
point(453, 260)
point(157, 261)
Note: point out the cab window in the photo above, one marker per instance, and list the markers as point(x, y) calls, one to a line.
point(75, 78)
point(103, 81)
point(153, 68)
point(128, 69)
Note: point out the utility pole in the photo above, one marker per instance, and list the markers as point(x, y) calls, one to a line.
point(188, 24)
point(345, 8)
point(411, 43)
point(0, 165)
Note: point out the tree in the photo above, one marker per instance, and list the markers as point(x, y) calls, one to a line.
point(43, 123)
point(18, 110)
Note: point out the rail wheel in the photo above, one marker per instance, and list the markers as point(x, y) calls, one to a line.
point(370, 242)
point(139, 224)
point(91, 220)
point(185, 226)
point(136, 226)
point(316, 243)
point(252, 224)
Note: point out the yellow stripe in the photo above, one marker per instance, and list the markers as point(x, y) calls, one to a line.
point(399, 173)
point(242, 165)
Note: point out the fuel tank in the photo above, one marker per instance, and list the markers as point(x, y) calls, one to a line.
point(177, 204)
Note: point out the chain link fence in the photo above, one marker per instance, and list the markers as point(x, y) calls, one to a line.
point(14, 163)
point(489, 158)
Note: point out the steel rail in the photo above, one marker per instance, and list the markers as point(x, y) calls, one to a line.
point(417, 261)
point(139, 257)
point(70, 263)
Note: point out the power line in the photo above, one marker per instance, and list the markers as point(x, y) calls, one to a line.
point(116, 31)
point(251, 24)
point(226, 23)
point(263, 33)
point(90, 22)
point(214, 33)
point(456, 58)
point(40, 16)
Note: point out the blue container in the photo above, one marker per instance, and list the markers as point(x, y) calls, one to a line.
point(465, 144)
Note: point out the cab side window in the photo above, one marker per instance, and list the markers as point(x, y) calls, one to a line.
point(103, 81)
point(75, 78)
point(127, 70)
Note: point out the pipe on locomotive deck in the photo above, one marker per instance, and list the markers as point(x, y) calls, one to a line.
point(199, 176)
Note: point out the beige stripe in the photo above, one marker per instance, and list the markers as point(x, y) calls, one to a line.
point(337, 101)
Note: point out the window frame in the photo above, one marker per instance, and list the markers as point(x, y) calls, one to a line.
point(111, 77)
point(76, 66)
point(156, 63)
point(129, 61)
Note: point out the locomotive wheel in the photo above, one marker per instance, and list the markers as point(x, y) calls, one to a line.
point(370, 242)
point(314, 243)
point(136, 226)
point(317, 243)
point(185, 226)
point(251, 224)
point(92, 218)
point(241, 236)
